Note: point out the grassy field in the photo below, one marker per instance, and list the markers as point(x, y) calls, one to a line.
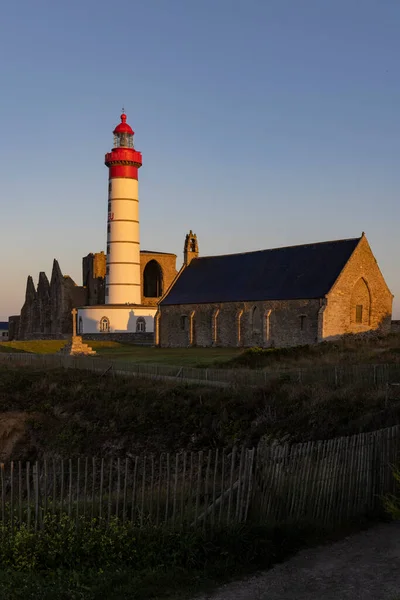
point(127, 352)
point(349, 350)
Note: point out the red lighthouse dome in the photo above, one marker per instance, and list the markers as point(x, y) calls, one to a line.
point(123, 127)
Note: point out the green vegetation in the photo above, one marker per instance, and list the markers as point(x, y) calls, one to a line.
point(391, 502)
point(79, 413)
point(128, 352)
point(350, 350)
point(63, 561)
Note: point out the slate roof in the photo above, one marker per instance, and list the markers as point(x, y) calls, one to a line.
point(296, 272)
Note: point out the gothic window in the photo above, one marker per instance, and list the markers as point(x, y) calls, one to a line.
point(184, 323)
point(140, 325)
point(80, 325)
point(302, 322)
point(359, 313)
point(360, 305)
point(256, 320)
point(104, 325)
point(192, 245)
point(152, 280)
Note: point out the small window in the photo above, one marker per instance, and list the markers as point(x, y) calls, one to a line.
point(184, 322)
point(109, 187)
point(359, 313)
point(108, 228)
point(107, 270)
point(302, 322)
point(105, 325)
point(108, 249)
point(140, 325)
point(109, 207)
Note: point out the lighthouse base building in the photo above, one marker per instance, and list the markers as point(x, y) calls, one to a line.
point(157, 272)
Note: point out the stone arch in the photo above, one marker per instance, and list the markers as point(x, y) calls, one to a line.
point(152, 280)
point(267, 326)
point(104, 325)
point(214, 327)
point(360, 304)
point(192, 328)
point(239, 316)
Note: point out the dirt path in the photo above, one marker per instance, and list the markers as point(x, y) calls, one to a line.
point(365, 566)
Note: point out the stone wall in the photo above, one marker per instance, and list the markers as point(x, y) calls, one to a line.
point(47, 309)
point(361, 284)
point(167, 265)
point(138, 339)
point(395, 327)
point(265, 324)
point(93, 278)
point(13, 327)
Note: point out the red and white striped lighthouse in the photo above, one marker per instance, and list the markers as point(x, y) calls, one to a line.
point(123, 284)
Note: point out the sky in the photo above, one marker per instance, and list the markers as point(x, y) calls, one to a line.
point(262, 124)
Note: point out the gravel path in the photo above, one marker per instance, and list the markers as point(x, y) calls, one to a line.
point(364, 566)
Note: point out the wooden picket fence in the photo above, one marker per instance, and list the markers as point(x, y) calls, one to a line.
point(326, 482)
point(186, 489)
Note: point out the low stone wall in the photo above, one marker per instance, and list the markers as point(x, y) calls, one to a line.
point(137, 339)
point(395, 328)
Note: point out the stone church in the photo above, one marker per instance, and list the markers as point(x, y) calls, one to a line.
point(279, 297)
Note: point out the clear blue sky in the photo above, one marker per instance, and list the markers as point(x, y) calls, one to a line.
point(262, 123)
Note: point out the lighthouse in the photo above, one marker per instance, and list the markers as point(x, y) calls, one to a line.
point(123, 285)
point(130, 304)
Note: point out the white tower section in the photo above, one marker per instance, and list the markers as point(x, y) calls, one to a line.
point(123, 285)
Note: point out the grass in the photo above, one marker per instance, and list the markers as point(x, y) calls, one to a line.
point(128, 352)
point(79, 413)
point(349, 350)
point(62, 562)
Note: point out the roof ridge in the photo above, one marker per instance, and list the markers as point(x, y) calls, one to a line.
point(280, 248)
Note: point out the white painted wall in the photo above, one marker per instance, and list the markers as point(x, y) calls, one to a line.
point(122, 318)
point(123, 243)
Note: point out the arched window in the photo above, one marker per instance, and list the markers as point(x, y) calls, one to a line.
point(104, 325)
point(140, 325)
point(360, 305)
point(256, 320)
point(152, 280)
